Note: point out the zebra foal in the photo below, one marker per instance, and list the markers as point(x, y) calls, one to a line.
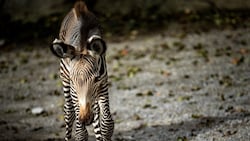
point(84, 75)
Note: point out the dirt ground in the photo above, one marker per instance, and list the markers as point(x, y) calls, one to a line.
point(170, 86)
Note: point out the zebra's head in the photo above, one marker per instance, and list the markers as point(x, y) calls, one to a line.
point(82, 48)
point(87, 72)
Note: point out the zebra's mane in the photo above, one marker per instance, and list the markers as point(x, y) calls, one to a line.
point(76, 26)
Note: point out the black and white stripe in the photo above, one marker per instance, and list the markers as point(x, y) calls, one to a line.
point(102, 121)
point(84, 77)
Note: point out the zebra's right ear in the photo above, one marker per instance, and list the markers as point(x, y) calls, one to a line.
point(62, 50)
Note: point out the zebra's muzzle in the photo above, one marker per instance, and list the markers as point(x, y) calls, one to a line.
point(86, 114)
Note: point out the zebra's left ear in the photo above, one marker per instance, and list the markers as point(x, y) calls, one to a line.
point(62, 50)
point(97, 46)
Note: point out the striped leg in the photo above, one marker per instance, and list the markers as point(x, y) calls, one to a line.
point(107, 123)
point(69, 114)
point(81, 131)
point(96, 122)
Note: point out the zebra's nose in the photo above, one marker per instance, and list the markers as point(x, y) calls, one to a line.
point(86, 114)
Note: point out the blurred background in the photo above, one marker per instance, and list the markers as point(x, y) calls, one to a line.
point(179, 70)
point(25, 19)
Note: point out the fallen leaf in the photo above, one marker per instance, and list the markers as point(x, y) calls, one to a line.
point(136, 117)
point(195, 88)
point(182, 138)
point(165, 73)
point(243, 51)
point(229, 133)
point(123, 52)
point(132, 71)
point(145, 93)
point(237, 61)
point(196, 116)
point(182, 98)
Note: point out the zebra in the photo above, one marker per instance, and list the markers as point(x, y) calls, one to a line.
point(83, 71)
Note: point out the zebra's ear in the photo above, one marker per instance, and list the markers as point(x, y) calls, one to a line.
point(97, 46)
point(62, 50)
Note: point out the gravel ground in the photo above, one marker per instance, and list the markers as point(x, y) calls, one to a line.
point(172, 86)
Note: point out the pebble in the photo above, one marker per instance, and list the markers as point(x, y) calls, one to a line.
point(37, 110)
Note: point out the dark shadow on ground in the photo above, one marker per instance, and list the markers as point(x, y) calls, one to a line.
point(184, 130)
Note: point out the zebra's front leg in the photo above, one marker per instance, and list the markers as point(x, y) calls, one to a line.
point(96, 122)
point(81, 131)
point(69, 113)
point(107, 123)
point(69, 117)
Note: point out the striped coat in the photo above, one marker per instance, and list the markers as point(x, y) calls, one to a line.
point(84, 74)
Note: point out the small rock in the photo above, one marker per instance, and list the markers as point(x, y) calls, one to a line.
point(37, 110)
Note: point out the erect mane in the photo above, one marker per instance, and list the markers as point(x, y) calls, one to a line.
point(80, 9)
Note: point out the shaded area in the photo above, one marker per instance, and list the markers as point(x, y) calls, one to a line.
point(187, 130)
point(24, 20)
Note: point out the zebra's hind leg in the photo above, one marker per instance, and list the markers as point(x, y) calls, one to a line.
point(96, 122)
